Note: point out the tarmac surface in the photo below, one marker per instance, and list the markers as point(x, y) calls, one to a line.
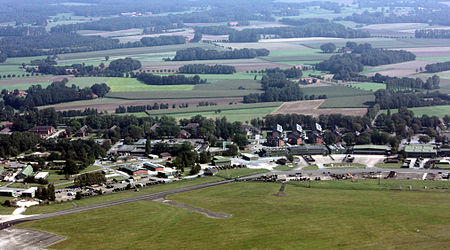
point(16, 238)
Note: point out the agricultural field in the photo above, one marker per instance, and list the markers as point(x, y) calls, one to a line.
point(335, 91)
point(261, 219)
point(369, 86)
point(241, 115)
point(439, 111)
point(312, 107)
point(362, 101)
point(118, 84)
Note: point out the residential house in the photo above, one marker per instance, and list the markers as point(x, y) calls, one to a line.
point(42, 130)
point(82, 132)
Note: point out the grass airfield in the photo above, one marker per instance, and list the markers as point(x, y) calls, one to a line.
point(329, 215)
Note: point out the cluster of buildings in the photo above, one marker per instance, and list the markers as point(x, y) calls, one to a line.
point(148, 169)
point(279, 138)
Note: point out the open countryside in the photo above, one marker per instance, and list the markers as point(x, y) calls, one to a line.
point(224, 124)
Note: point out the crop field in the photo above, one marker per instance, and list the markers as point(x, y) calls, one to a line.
point(179, 94)
point(369, 86)
point(362, 101)
point(399, 69)
point(439, 111)
point(379, 42)
point(312, 108)
point(241, 115)
point(304, 217)
point(230, 85)
point(225, 107)
point(334, 91)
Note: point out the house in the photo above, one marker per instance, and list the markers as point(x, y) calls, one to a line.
point(165, 155)
point(82, 132)
point(191, 127)
point(211, 171)
point(184, 134)
point(314, 137)
point(41, 175)
point(42, 130)
point(153, 167)
point(275, 141)
point(220, 161)
point(25, 172)
point(295, 139)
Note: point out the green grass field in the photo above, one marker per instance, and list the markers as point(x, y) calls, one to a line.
point(348, 102)
point(335, 91)
point(328, 215)
point(369, 86)
point(133, 85)
point(439, 111)
point(435, 59)
point(389, 165)
point(239, 172)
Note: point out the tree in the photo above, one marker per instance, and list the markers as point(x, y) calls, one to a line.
point(328, 47)
point(424, 139)
point(148, 146)
point(195, 170)
point(205, 157)
point(240, 140)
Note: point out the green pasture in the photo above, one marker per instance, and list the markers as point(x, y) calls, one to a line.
point(379, 42)
point(369, 86)
point(239, 172)
point(335, 91)
point(119, 84)
point(324, 216)
point(434, 59)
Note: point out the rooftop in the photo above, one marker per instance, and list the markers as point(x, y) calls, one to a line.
point(371, 146)
point(420, 148)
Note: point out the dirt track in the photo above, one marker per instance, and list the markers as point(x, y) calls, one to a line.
point(210, 214)
point(312, 108)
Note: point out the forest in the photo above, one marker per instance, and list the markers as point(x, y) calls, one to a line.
point(437, 67)
point(345, 66)
point(116, 68)
point(162, 40)
point(57, 92)
point(276, 88)
point(191, 54)
point(206, 69)
point(152, 79)
point(391, 100)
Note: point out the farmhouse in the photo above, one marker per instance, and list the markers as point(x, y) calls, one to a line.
point(42, 130)
point(420, 150)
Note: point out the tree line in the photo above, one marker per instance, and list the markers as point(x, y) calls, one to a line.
point(57, 92)
point(320, 29)
point(392, 100)
point(206, 69)
point(151, 79)
point(276, 88)
point(141, 108)
point(89, 179)
point(191, 54)
point(346, 66)
point(116, 68)
point(437, 67)
point(293, 72)
point(432, 33)
point(162, 40)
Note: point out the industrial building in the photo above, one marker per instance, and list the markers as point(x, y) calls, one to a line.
point(420, 150)
point(370, 149)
